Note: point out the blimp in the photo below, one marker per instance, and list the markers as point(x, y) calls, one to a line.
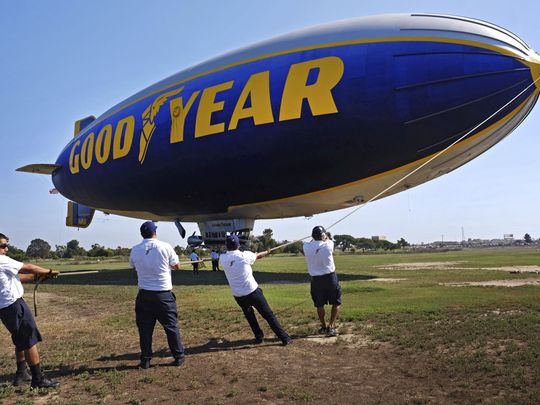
point(312, 121)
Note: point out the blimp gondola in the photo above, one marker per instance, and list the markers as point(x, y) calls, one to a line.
point(312, 121)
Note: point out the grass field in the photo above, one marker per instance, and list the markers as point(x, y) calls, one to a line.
point(410, 332)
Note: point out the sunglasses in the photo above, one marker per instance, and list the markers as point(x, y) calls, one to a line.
point(3, 245)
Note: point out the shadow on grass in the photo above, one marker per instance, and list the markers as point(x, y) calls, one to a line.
point(213, 345)
point(186, 277)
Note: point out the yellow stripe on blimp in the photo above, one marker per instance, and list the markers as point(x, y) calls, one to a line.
point(495, 126)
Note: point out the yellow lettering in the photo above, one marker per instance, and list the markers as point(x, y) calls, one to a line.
point(103, 144)
point(74, 158)
point(87, 151)
point(207, 106)
point(258, 89)
point(123, 137)
point(318, 94)
point(179, 113)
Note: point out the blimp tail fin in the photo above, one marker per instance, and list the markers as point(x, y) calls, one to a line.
point(83, 123)
point(78, 215)
point(40, 168)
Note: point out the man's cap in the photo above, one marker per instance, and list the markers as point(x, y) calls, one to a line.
point(148, 227)
point(233, 241)
point(317, 232)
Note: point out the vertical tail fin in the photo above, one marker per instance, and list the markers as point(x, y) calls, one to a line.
point(78, 215)
point(82, 123)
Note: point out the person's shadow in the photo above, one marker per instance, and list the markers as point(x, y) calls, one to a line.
point(213, 345)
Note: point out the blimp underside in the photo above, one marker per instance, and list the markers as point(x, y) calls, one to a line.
point(309, 122)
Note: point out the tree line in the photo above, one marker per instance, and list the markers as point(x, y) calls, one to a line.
point(40, 248)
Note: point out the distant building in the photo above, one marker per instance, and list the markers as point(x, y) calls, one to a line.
point(379, 237)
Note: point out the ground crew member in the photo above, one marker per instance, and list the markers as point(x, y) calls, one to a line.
point(246, 291)
point(17, 317)
point(153, 260)
point(195, 262)
point(215, 260)
point(325, 288)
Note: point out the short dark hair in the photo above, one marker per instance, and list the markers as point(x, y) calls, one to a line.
point(317, 232)
point(2, 236)
point(146, 234)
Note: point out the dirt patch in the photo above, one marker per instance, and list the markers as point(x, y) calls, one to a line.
point(388, 280)
point(515, 269)
point(420, 266)
point(497, 283)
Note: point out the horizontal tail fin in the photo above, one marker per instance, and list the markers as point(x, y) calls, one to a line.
point(40, 168)
point(78, 215)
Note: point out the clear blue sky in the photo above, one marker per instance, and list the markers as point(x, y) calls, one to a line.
point(64, 60)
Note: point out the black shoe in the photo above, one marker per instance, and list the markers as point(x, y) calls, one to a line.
point(324, 330)
point(22, 377)
point(178, 361)
point(259, 340)
point(287, 341)
point(144, 364)
point(45, 383)
point(332, 332)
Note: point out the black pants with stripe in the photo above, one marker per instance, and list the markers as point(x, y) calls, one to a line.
point(257, 300)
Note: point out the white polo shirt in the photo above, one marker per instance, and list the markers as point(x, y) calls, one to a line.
point(153, 259)
point(237, 267)
point(11, 288)
point(320, 260)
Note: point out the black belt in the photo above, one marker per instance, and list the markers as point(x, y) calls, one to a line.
point(153, 291)
point(327, 275)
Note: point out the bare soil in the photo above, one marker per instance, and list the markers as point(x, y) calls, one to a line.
point(99, 365)
point(497, 283)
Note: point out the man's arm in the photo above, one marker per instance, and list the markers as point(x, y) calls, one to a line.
point(28, 272)
point(28, 268)
point(260, 255)
point(26, 278)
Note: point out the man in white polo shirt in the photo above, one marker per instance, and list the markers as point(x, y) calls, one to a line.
point(17, 317)
point(325, 288)
point(153, 260)
point(246, 291)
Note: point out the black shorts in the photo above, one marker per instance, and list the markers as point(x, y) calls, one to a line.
point(325, 290)
point(19, 321)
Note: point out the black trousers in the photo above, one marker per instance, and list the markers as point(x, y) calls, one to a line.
point(215, 264)
point(161, 306)
point(257, 300)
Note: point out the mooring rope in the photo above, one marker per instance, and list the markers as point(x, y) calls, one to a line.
point(435, 156)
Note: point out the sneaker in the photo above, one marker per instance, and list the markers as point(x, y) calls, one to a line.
point(332, 332)
point(45, 383)
point(177, 362)
point(22, 377)
point(323, 331)
point(287, 341)
point(144, 364)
